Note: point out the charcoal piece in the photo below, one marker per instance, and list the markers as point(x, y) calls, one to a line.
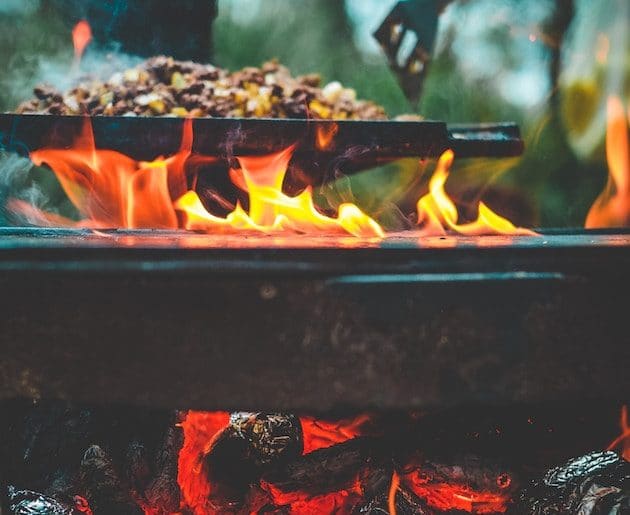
point(593, 484)
point(102, 487)
point(228, 468)
point(271, 436)
point(406, 504)
point(27, 502)
point(329, 469)
point(162, 493)
point(251, 443)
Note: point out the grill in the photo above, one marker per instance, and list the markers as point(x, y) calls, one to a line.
point(203, 262)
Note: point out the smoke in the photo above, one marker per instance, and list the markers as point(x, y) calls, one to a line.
point(96, 64)
point(18, 182)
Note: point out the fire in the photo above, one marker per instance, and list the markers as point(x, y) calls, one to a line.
point(612, 207)
point(437, 212)
point(112, 190)
point(622, 442)
point(391, 497)
point(272, 211)
point(201, 429)
point(81, 37)
point(325, 136)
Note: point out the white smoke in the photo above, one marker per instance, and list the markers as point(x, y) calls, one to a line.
point(18, 183)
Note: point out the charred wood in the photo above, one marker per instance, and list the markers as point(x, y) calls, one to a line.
point(594, 484)
point(330, 469)
point(27, 502)
point(251, 443)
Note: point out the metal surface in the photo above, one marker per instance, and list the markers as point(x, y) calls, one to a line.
point(166, 319)
point(369, 141)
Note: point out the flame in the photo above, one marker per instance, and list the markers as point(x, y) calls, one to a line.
point(319, 434)
point(437, 212)
point(325, 136)
point(622, 442)
point(112, 190)
point(81, 37)
point(393, 489)
point(612, 207)
point(272, 211)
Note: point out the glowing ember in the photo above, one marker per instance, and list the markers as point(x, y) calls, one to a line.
point(319, 434)
point(612, 207)
point(200, 428)
point(622, 442)
point(454, 496)
point(437, 212)
point(341, 501)
point(81, 37)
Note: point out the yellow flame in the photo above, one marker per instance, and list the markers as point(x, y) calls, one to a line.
point(612, 207)
point(437, 212)
point(271, 210)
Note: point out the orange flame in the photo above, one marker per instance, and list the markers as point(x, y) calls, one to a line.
point(612, 207)
point(622, 442)
point(81, 37)
point(393, 490)
point(325, 136)
point(272, 211)
point(437, 212)
point(112, 190)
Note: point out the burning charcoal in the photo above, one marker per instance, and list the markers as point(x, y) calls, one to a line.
point(251, 443)
point(597, 483)
point(329, 469)
point(27, 502)
point(271, 436)
point(406, 504)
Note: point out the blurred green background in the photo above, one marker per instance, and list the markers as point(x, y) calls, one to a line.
point(492, 63)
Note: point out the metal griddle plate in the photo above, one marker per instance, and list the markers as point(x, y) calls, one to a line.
point(145, 138)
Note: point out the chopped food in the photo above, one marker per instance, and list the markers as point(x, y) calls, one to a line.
point(162, 86)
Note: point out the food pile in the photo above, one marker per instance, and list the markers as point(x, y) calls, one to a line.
point(162, 86)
